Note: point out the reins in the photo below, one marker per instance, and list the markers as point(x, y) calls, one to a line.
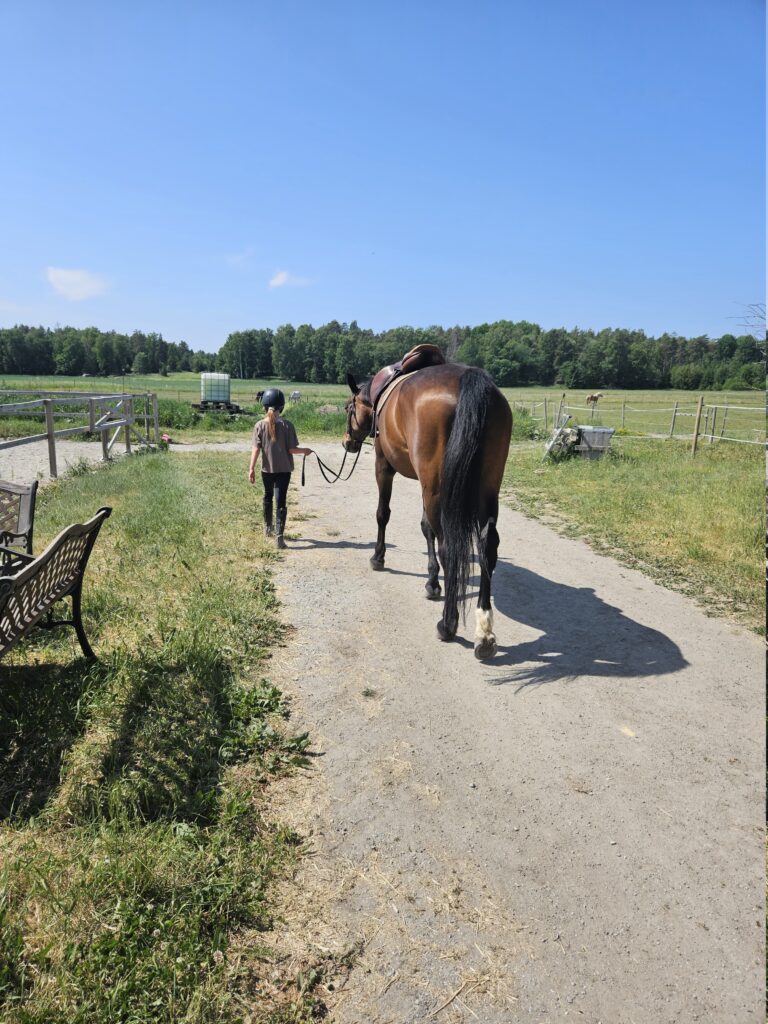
point(330, 475)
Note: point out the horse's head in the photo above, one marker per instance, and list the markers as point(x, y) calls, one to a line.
point(359, 412)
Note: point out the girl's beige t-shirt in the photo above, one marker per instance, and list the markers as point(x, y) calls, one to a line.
point(275, 456)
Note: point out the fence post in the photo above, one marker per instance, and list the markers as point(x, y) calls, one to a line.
point(49, 428)
point(92, 415)
point(714, 426)
point(674, 417)
point(623, 412)
point(696, 425)
point(725, 417)
point(546, 418)
point(156, 418)
point(128, 417)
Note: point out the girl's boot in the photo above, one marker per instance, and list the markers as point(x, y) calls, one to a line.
point(281, 514)
point(269, 530)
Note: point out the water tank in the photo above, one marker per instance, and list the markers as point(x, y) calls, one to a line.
point(214, 387)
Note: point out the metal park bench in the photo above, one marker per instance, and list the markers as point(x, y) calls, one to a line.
point(17, 515)
point(30, 586)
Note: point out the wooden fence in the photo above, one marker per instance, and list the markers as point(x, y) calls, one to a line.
point(106, 415)
point(691, 421)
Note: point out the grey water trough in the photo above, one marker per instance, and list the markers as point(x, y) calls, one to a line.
point(594, 442)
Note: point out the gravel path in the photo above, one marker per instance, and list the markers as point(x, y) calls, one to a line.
point(573, 830)
point(30, 461)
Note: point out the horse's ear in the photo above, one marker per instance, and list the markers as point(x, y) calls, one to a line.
point(352, 384)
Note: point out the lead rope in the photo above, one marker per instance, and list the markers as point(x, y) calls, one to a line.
point(326, 469)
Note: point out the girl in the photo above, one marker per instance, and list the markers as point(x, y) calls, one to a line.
point(277, 439)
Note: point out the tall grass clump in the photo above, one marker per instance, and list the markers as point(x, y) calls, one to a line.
point(695, 524)
point(134, 854)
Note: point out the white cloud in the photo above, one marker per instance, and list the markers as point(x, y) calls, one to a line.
point(282, 279)
point(76, 285)
point(237, 259)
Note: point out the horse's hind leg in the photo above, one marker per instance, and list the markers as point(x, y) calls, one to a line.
point(485, 639)
point(433, 569)
point(384, 477)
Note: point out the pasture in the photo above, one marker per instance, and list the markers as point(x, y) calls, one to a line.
point(137, 867)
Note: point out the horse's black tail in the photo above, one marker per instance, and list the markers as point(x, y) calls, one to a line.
point(460, 494)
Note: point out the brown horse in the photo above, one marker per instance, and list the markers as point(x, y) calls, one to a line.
point(449, 428)
point(594, 398)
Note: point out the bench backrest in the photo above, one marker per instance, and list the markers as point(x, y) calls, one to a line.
point(17, 514)
point(27, 594)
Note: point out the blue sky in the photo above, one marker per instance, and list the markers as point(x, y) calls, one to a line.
point(197, 168)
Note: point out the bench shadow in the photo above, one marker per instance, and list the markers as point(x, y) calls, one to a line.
point(41, 717)
point(582, 634)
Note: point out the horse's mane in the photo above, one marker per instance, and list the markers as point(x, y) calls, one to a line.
point(365, 389)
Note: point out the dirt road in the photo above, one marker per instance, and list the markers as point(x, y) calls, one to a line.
point(571, 831)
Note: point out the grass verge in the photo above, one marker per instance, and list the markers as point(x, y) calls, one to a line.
point(135, 867)
point(696, 525)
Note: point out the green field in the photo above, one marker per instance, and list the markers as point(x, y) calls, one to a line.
point(137, 870)
point(648, 413)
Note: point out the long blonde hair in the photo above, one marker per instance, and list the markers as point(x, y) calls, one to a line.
point(271, 423)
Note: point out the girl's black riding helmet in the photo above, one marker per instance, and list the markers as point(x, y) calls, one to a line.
point(273, 398)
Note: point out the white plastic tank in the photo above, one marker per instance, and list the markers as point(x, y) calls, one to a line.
point(214, 387)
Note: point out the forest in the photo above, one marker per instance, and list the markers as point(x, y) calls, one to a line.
point(516, 353)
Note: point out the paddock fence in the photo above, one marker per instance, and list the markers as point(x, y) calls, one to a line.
point(107, 415)
point(695, 420)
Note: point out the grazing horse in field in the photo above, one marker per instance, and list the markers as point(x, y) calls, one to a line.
point(595, 398)
point(448, 427)
point(295, 396)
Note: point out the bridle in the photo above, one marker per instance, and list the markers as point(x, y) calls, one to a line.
point(354, 424)
point(330, 475)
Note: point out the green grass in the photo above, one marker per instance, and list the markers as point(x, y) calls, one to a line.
point(694, 524)
point(136, 869)
point(639, 412)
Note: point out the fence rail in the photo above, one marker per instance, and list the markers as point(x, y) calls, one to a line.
point(105, 414)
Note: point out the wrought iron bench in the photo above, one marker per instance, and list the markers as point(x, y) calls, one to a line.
point(17, 515)
point(30, 586)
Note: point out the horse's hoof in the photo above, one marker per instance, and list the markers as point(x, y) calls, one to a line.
point(434, 593)
point(444, 633)
point(377, 564)
point(485, 648)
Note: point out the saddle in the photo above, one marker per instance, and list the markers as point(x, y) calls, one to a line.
point(418, 358)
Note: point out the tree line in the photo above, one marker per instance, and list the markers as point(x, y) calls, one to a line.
point(514, 352)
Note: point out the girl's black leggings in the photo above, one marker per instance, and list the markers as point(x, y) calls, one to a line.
point(277, 484)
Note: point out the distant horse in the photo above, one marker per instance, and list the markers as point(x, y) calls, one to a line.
point(295, 396)
point(448, 427)
point(595, 398)
point(259, 395)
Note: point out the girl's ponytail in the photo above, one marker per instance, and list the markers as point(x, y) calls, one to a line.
point(271, 424)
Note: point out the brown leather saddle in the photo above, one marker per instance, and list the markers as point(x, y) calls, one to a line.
point(417, 359)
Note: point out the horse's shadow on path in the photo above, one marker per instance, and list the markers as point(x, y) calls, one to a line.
point(582, 634)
